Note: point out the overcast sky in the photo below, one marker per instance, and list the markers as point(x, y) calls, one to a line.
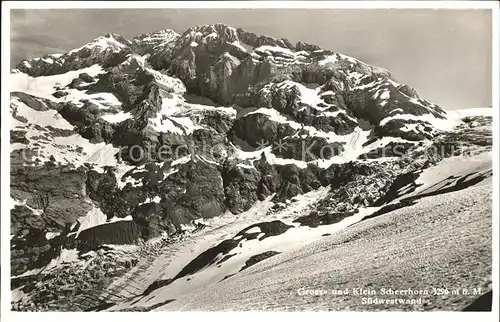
point(444, 54)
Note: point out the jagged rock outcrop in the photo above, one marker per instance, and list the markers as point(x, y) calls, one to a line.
point(308, 148)
point(295, 181)
point(195, 191)
point(148, 42)
point(258, 129)
point(36, 103)
point(63, 187)
point(124, 232)
point(52, 198)
point(240, 186)
point(130, 89)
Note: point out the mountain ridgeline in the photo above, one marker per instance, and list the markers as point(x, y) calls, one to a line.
point(151, 134)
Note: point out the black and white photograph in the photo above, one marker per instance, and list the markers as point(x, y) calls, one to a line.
point(290, 156)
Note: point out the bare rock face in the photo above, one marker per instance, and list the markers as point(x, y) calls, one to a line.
point(203, 193)
point(117, 233)
point(130, 89)
point(62, 187)
point(258, 129)
point(240, 186)
point(308, 148)
point(53, 198)
point(36, 103)
point(301, 46)
point(295, 181)
point(408, 91)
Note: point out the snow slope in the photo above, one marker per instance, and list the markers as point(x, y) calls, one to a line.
point(450, 171)
point(41, 118)
point(443, 237)
point(45, 86)
point(227, 266)
point(480, 111)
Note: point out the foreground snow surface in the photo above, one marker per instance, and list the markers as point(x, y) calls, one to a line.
point(434, 235)
point(178, 255)
point(449, 171)
point(445, 237)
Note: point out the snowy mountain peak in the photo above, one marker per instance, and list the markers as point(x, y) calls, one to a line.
point(106, 49)
point(122, 142)
point(120, 38)
point(218, 28)
point(163, 33)
point(146, 43)
point(210, 33)
point(111, 41)
point(219, 31)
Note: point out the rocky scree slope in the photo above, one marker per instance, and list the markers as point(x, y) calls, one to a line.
point(235, 111)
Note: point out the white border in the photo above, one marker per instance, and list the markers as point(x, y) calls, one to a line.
point(495, 18)
point(7, 315)
point(252, 4)
point(5, 167)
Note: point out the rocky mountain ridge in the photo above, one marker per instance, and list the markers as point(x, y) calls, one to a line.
point(121, 141)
